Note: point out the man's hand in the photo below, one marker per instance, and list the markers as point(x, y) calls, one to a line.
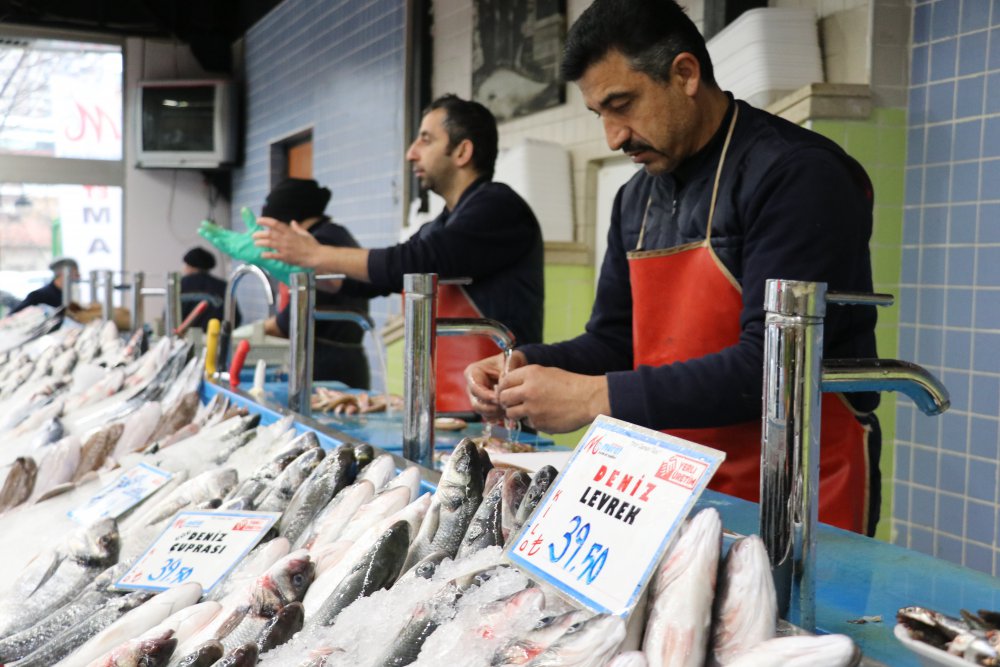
point(481, 380)
point(240, 245)
point(553, 400)
point(287, 243)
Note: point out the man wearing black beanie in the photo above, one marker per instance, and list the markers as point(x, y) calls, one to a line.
point(339, 354)
point(198, 285)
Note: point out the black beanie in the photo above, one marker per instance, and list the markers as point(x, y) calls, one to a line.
point(199, 258)
point(296, 199)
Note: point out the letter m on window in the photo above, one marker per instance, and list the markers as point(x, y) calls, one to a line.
point(96, 215)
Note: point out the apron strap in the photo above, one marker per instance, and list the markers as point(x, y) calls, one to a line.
point(715, 185)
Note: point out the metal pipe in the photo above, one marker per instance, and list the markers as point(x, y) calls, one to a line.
point(107, 295)
point(853, 375)
point(94, 280)
point(420, 316)
point(477, 326)
point(138, 313)
point(789, 471)
point(301, 334)
point(66, 272)
point(172, 312)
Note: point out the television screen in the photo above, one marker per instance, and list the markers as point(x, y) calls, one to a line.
point(178, 119)
point(186, 124)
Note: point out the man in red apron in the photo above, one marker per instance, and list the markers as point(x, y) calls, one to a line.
point(486, 233)
point(729, 196)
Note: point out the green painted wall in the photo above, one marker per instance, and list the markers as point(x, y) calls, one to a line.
point(879, 144)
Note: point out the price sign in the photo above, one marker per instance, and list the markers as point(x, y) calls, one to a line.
point(610, 515)
point(130, 489)
point(197, 546)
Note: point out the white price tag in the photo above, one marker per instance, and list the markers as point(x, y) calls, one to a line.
point(197, 546)
point(610, 515)
point(130, 489)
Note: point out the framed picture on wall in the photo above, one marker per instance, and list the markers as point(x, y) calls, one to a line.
point(516, 50)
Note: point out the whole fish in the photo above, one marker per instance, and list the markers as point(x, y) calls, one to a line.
point(408, 478)
point(18, 483)
point(142, 652)
point(332, 520)
point(139, 427)
point(285, 582)
point(485, 528)
point(746, 605)
point(376, 570)
point(540, 483)
point(381, 506)
point(57, 466)
point(284, 486)
point(421, 547)
point(460, 491)
point(515, 487)
point(426, 568)
point(134, 623)
point(424, 620)
point(329, 478)
point(677, 631)
point(92, 598)
point(800, 651)
point(281, 627)
point(589, 643)
point(379, 471)
point(522, 650)
point(74, 636)
point(97, 448)
point(256, 563)
point(209, 484)
point(57, 578)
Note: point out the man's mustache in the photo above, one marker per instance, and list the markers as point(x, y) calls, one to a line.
point(630, 147)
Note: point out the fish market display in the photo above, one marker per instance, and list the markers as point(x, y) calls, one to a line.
point(974, 637)
point(360, 568)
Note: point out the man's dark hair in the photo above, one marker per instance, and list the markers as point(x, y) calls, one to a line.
point(650, 33)
point(465, 119)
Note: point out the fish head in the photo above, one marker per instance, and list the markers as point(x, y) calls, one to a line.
point(97, 545)
point(288, 579)
point(600, 635)
point(156, 651)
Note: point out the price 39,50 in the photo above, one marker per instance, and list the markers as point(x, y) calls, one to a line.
point(594, 557)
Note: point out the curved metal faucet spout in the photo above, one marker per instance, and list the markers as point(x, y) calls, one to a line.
point(479, 326)
point(854, 375)
point(234, 279)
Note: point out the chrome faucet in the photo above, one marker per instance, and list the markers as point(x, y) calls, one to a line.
point(794, 377)
point(229, 307)
point(422, 327)
point(302, 334)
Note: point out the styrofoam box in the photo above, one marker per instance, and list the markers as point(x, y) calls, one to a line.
point(540, 171)
point(766, 53)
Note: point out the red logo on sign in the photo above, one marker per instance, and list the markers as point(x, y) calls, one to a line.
point(682, 471)
point(249, 524)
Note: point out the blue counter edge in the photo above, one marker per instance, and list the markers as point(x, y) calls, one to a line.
point(856, 576)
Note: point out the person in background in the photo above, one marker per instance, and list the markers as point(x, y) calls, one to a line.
point(338, 354)
point(486, 233)
point(51, 293)
point(198, 284)
point(729, 197)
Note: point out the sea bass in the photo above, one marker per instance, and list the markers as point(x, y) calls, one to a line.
point(677, 631)
point(587, 644)
point(800, 651)
point(747, 608)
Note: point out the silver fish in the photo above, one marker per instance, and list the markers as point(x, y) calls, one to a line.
point(73, 637)
point(515, 487)
point(58, 578)
point(329, 478)
point(281, 627)
point(524, 649)
point(677, 631)
point(205, 655)
point(142, 652)
point(539, 485)
point(746, 604)
point(285, 485)
point(242, 656)
point(424, 620)
point(460, 491)
point(587, 644)
point(376, 570)
point(485, 528)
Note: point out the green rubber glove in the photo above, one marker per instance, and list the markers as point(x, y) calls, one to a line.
point(239, 245)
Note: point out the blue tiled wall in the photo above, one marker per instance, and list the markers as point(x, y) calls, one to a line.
point(946, 467)
point(335, 67)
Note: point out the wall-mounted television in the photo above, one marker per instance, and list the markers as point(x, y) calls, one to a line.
point(186, 124)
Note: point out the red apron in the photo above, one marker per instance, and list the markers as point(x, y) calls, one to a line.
point(454, 353)
point(686, 304)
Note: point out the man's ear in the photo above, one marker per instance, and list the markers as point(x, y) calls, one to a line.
point(686, 70)
point(462, 154)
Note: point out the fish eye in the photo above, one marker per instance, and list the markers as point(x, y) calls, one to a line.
point(298, 579)
point(574, 628)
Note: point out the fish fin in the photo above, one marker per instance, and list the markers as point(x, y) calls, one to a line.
point(57, 560)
